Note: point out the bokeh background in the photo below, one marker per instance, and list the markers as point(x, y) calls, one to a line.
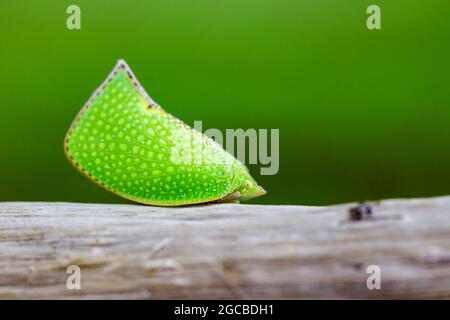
point(362, 114)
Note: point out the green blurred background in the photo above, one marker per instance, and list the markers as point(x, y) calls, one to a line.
point(362, 114)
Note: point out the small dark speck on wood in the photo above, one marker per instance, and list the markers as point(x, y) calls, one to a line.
point(361, 212)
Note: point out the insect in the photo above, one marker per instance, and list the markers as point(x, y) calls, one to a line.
point(361, 212)
point(125, 142)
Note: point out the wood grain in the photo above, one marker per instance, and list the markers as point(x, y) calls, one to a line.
point(224, 251)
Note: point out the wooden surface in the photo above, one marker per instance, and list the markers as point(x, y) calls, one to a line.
point(224, 251)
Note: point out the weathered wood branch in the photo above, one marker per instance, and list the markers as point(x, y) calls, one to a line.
point(224, 251)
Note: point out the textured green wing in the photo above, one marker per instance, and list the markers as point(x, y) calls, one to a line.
point(126, 143)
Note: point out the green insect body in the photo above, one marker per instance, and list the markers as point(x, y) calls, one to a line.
point(125, 142)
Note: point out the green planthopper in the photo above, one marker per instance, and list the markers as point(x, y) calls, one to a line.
point(123, 141)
